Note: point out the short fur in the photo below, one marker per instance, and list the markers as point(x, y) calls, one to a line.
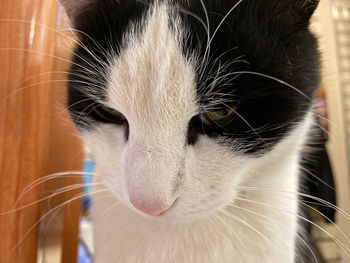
point(232, 189)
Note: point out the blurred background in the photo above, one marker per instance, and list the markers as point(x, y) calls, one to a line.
point(331, 23)
point(49, 218)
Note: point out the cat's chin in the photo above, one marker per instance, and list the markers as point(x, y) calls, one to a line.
point(173, 220)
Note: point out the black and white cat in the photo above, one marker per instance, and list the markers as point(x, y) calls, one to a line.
point(196, 112)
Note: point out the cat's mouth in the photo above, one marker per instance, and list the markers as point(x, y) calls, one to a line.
point(171, 207)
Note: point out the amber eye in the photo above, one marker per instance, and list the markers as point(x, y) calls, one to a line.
point(220, 117)
point(108, 115)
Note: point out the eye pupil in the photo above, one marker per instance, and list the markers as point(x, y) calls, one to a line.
point(223, 112)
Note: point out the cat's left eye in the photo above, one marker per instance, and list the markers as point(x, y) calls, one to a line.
point(108, 115)
point(221, 117)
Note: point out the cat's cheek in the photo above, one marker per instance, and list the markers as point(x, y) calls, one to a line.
point(104, 141)
point(107, 144)
point(209, 184)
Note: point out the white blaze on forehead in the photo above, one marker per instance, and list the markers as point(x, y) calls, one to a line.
point(152, 83)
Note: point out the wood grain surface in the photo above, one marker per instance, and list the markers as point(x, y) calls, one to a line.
point(33, 140)
point(66, 152)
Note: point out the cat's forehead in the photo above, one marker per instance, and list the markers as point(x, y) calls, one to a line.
point(152, 76)
point(159, 62)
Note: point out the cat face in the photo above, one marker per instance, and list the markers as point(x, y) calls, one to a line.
point(179, 101)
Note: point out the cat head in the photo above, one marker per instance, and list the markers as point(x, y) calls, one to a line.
point(181, 101)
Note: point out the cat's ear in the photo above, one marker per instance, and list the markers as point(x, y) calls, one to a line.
point(298, 12)
point(306, 8)
point(74, 9)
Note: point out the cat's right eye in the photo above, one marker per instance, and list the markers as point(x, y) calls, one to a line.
point(220, 117)
point(108, 115)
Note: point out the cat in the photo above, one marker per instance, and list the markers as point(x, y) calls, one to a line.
point(196, 112)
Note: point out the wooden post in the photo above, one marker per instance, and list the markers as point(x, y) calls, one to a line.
point(36, 135)
point(25, 53)
point(66, 152)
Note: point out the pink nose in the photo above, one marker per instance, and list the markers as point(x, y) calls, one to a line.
point(153, 210)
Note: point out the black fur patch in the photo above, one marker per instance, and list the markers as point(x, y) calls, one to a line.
point(260, 47)
point(258, 37)
point(103, 25)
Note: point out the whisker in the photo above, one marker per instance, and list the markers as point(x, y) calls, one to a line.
point(48, 213)
point(60, 191)
point(341, 245)
point(53, 216)
point(60, 72)
point(110, 209)
point(223, 20)
point(208, 38)
point(322, 128)
point(327, 218)
point(66, 189)
point(245, 121)
point(50, 55)
point(46, 82)
point(49, 177)
point(245, 223)
point(193, 15)
point(275, 79)
point(215, 225)
point(85, 113)
point(272, 190)
point(78, 116)
point(316, 177)
point(99, 46)
point(275, 222)
point(229, 228)
point(207, 50)
point(76, 41)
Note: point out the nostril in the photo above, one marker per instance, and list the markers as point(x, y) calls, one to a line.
point(153, 210)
